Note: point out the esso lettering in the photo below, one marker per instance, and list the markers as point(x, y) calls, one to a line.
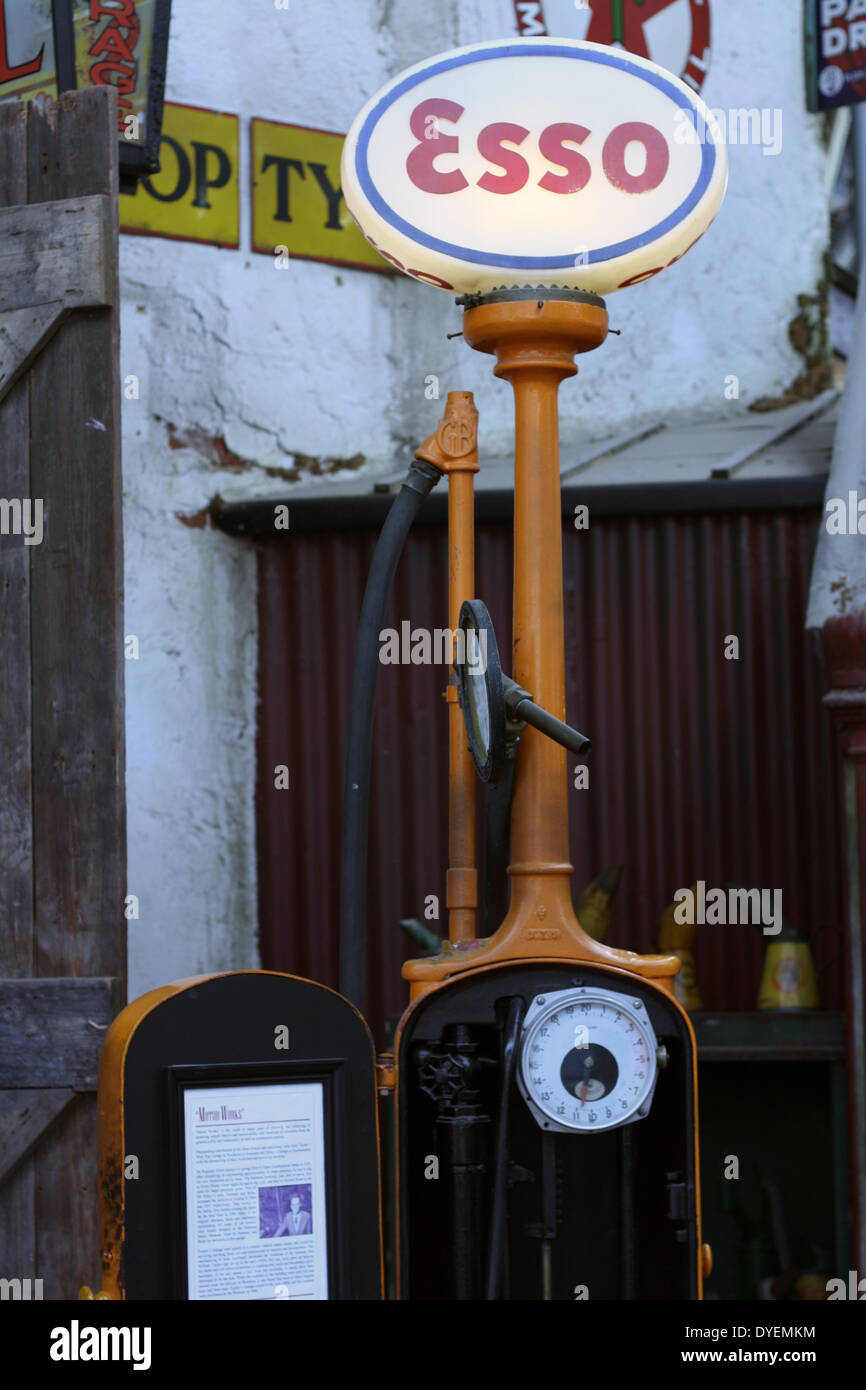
point(500, 143)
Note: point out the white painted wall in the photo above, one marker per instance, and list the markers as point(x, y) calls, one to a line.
point(332, 362)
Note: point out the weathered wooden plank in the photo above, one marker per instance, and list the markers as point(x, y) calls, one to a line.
point(16, 831)
point(17, 1205)
point(54, 258)
point(76, 588)
point(24, 1118)
point(79, 843)
point(67, 1228)
point(14, 125)
point(23, 334)
point(51, 1031)
point(16, 847)
point(18, 1223)
point(69, 859)
point(73, 146)
point(57, 252)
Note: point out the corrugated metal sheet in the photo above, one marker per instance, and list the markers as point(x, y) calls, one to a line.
point(703, 767)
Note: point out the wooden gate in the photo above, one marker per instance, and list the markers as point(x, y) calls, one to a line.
point(62, 804)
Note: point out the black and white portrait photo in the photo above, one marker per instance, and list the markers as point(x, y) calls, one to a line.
point(285, 1211)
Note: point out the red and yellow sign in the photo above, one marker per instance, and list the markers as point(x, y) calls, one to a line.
point(298, 200)
point(194, 197)
point(673, 33)
point(26, 49)
point(112, 48)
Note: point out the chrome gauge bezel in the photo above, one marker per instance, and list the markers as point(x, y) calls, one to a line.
point(541, 1010)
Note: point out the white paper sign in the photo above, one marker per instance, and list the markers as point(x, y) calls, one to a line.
point(255, 1191)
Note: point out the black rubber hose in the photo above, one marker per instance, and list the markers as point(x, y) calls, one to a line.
point(418, 483)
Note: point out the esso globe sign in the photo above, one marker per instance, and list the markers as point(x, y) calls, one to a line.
point(545, 162)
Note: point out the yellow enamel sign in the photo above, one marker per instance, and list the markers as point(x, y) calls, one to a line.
point(297, 200)
point(194, 197)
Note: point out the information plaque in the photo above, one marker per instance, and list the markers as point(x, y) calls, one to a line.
point(239, 1144)
point(255, 1210)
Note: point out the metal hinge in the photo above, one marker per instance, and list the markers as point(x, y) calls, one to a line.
point(386, 1073)
point(678, 1209)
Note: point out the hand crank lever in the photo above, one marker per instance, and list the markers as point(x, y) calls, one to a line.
point(521, 708)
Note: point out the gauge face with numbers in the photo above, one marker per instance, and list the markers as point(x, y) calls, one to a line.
point(588, 1060)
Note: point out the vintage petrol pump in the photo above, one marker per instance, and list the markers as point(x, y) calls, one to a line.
point(545, 1084)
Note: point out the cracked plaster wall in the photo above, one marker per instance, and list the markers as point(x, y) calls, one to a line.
point(247, 373)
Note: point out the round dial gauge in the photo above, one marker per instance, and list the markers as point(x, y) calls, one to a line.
point(588, 1060)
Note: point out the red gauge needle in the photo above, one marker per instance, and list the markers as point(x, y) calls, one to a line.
point(583, 1097)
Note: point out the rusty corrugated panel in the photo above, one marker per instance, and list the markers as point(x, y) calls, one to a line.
point(702, 767)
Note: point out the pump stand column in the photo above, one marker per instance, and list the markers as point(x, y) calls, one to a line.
point(535, 335)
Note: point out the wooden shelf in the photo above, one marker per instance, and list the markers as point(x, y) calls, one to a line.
point(770, 1035)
